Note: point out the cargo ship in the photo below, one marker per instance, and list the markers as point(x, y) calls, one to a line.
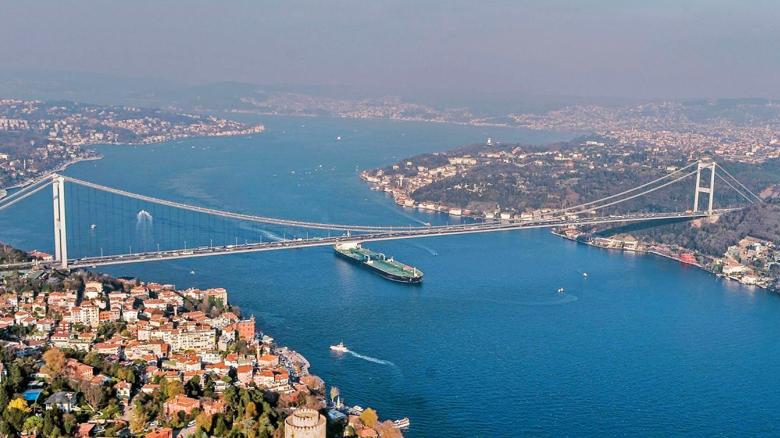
point(379, 263)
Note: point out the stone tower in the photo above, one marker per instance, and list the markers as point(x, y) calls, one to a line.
point(304, 423)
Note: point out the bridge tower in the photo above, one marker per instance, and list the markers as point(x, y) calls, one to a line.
point(60, 226)
point(710, 189)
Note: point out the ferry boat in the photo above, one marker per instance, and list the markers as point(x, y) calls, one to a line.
point(379, 263)
point(403, 423)
point(340, 347)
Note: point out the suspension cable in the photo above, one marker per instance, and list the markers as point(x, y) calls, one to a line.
point(20, 198)
point(369, 228)
point(239, 216)
point(749, 199)
point(575, 207)
point(643, 193)
point(25, 189)
point(740, 184)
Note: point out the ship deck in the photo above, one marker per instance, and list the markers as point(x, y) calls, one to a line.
point(391, 267)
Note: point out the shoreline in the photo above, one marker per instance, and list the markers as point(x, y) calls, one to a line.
point(404, 200)
point(668, 257)
point(412, 120)
point(98, 156)
point(59, 168)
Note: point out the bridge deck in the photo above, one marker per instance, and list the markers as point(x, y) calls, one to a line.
point(474, 228)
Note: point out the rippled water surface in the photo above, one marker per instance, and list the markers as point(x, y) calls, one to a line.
point(486, 346)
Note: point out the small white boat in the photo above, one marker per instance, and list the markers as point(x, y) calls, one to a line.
point(561, 290)
point(340, 347)
point(403, 423)
point(585, 274)
point(192, 272)
point(338, 138)
point(92, 227)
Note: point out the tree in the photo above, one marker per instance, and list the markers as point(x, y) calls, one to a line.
point(33, 423)
point(52, 422)
point(334, 392)
point(69, 424)
point(171, 388)
point(220, 428)
point(5, 428)
point(96, 395)
point(137, 418)
point(20, 404)
point(16, 376)
point(369, 417)
point(16, 413)
point(3, 398)
point(126, 373)
point(250, 411)
point(203, 422)
point(193, 388)
point(54, 362)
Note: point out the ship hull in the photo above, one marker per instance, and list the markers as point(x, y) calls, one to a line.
point(386, 275)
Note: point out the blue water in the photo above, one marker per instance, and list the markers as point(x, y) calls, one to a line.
point(486, 346)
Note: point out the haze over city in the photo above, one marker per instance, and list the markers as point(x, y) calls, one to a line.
point(646, 49)
point(389, 219)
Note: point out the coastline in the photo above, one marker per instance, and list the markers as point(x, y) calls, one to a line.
point(414, 120)
point(97, 156)
point(261, 364)
point(682, 255)
point(657, 253)
point(59, 168)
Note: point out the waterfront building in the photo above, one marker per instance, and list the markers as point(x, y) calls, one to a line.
point(304, 423)
point(246, 329)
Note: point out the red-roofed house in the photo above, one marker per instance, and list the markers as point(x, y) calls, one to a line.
point(181, 403)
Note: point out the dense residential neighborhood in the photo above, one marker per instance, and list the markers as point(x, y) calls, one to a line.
point(89, 355)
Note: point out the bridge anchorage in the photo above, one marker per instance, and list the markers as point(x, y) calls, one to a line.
point(66, 230)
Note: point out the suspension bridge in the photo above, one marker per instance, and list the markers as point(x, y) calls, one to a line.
point(206, 221)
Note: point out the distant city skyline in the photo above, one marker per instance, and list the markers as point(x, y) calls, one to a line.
point(633, 49)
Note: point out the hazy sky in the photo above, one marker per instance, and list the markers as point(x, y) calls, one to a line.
point(646, 48)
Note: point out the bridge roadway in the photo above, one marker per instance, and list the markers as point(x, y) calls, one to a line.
point(473, 228)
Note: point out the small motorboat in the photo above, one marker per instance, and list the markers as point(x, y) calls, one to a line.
point(340, 348)
point(561, 290)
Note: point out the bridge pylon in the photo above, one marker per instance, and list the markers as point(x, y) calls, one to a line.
point(60, 224)
point(710, 189)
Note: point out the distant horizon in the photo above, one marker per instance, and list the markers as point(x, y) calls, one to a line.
point(56, 81)
point(625, 48)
